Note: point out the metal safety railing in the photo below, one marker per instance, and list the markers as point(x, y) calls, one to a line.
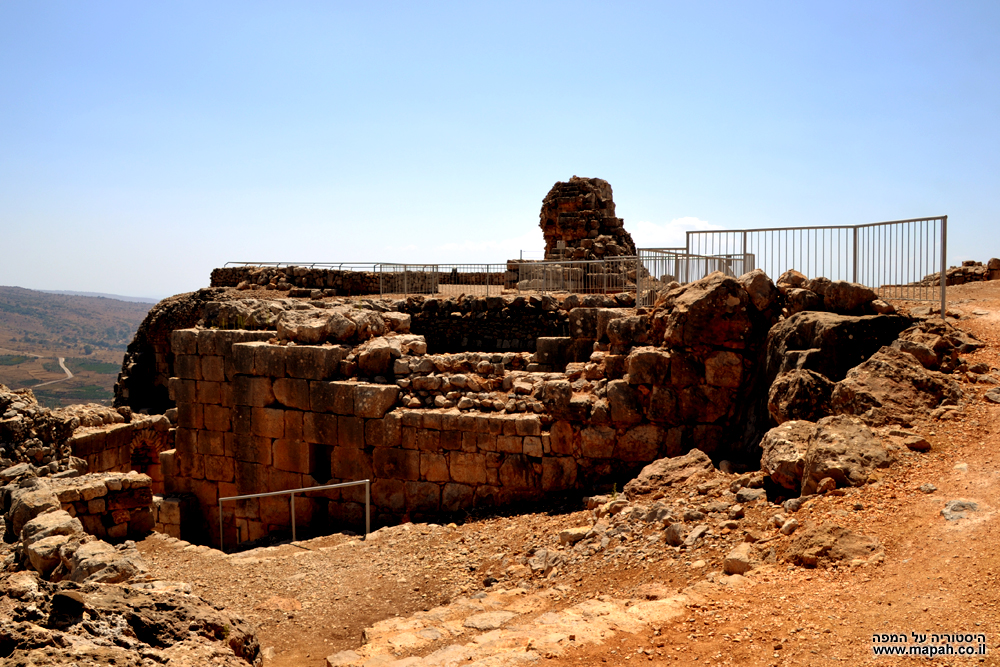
point(899, 259)
point(332, 266)
point(593, 276)
point(407, 279)
point(291, 493)
point(471, 279)
point(658, 267)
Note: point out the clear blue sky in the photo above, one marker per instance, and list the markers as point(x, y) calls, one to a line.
point(143, 144)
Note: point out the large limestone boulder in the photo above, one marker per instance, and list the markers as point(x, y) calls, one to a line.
point(841, 296)
point(892, 387)
point(27, 503)
point(44, 554)
point(763, 293)
point(342, 324)
point(712, 311)
point(670, 471)
point(799, 394)
point(99, 562)
point(817, 544)
point(308, 327)
point(827, 343)
point(799, 454)
point(784, 450)
point(842, 450)
point(58, 522)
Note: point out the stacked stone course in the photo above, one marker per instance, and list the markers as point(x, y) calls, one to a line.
point(111, 506)
point(578, 222)
point(135, 445)
point(280, 424)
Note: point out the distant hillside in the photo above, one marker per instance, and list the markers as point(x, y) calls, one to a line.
point(119, 297)
point(91, 333)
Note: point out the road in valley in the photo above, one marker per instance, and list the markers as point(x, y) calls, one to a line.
point(62, 365)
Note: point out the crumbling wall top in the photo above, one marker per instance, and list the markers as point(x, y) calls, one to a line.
point(578, 222)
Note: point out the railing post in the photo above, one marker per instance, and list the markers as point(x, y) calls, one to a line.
point(292, 497)
point(368, 510)
point(221, 538)
point(854, 265)
point(944, 265)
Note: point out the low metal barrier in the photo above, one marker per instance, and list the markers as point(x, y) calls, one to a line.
point(471, 279)
point(900, 259)
point(334, 266)
point(291, 493)
point(595, 276)
point(406, 279)
point(658, 267)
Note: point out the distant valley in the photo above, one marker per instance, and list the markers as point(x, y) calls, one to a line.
point(88, 333)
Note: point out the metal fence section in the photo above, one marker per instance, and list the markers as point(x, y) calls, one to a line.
point(658, 267)
point(291, 493)
point(406, 279)
point(900, 259)
point(445, 279)
point(471, 279)
point(597, 276)
point(333, 266)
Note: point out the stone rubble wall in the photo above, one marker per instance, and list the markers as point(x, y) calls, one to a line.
point(970, 271)
point(135, 445)
point(334, 282)
point(111, 506)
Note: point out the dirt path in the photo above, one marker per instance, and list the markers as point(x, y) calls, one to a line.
point(315, 599)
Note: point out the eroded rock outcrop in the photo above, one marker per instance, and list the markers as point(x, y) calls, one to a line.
point(892, 387)
point(799, 455)
point(100, 624)
point(799, 394)
point(828, 343)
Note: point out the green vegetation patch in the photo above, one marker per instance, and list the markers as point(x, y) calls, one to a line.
point(52, 366)
point(12, 359)
point(93, 366)
point(52, 396)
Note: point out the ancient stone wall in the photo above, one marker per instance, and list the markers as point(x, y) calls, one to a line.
point(135, 445)
point(578, 222)
point(342, 391)
point(283, 423)
point(110, 506)
point(259, 416)
point(486, 324)
point(970, 271)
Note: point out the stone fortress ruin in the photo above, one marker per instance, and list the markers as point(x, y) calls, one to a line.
point(457, 388)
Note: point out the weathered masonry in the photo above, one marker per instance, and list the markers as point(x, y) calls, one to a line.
point(255, 417)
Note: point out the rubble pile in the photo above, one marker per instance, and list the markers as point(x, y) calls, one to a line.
point(32, 434)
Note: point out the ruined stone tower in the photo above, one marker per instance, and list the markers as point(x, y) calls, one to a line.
point(578, 222)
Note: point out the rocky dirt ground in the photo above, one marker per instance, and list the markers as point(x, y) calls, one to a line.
point(504, 590)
